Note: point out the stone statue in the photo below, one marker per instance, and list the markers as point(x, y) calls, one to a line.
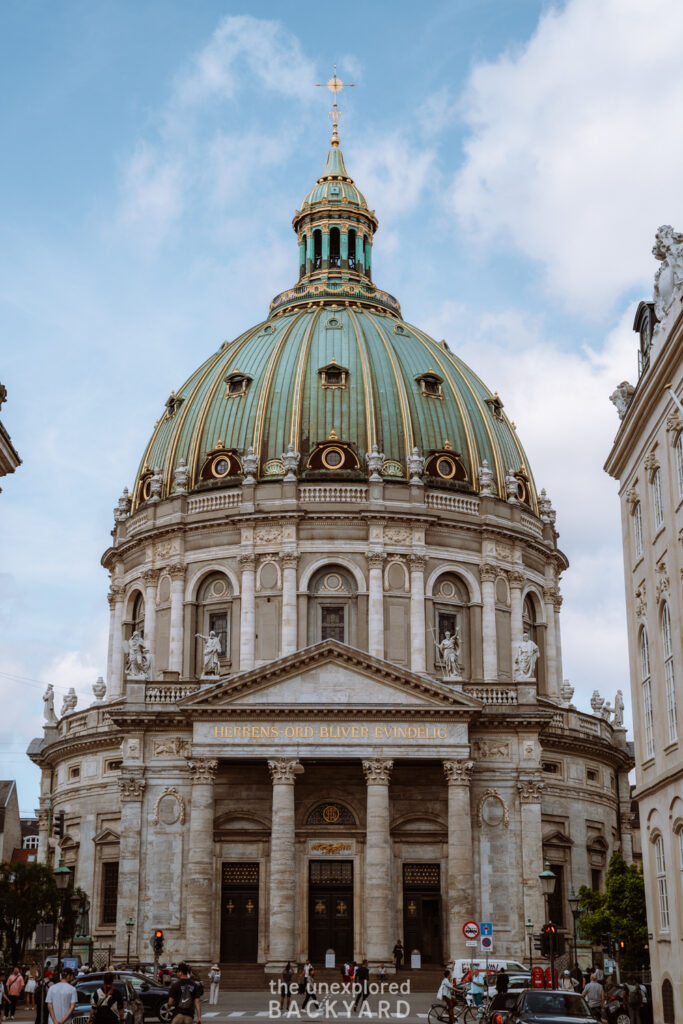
point(448, 654)
point(375, 461)
point(290, 460)
point(69, 703)
point(526, 656)
point(182, 476)
point(621, 397)
point(544, 506)
point(212, 651)
point(618, 722)
point(138, 658)
point(596, 702)
point(511, 485)
point(99, 688)
point(82, 930)
point(250, 465)
point(668, 248)
point(155, 484)
point(415, 466)
point(485, 478)
point(122, 510)
point(49, 705)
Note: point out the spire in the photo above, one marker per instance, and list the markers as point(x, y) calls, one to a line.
point(335, 85)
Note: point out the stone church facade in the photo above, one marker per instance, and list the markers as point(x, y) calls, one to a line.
point(334, 712)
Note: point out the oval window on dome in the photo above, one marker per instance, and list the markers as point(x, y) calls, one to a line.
point(445, 467)
point(333, 458)
point(220, 466)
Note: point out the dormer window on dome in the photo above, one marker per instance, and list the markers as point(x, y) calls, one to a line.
point(221, 463)
point(333, 376)
point(333, 455)
point(237, 384)
point(446, 464)
point(431, 384)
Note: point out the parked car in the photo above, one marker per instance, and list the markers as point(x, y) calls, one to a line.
point(500, 1006)
point(85, 987)
point(138, 966)
point(535, 1005)
point(518, 980)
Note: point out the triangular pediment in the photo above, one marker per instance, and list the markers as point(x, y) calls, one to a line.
point(557, 838)
point(330, 674)
point(107, 835)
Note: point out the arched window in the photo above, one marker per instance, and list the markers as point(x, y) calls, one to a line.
point(662, 889)
point(679, 463)
point(451, 615)
point(352, 249)
point(335, 251)
point(317, 249)
point(30, 843)
point(138, 623)
point(529, 619)
point(668, 1011)
point(214, 601)
point(638, 530)
point(647, 694)
point(332, 608)
point(657, 497)
point(669, 673)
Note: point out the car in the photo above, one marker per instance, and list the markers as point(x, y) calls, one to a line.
point(548, 1005)
point(154, 997)
point(138, 966)
point(500, 1006)
point(87, 985)
point(517, 980)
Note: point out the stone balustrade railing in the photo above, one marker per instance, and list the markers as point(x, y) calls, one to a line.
point(591, 725)
point(333, 493)
point(137, 522)
point(532, 524)
point(168, 693)
point(214, 502)
point(453, 503)
point(492, 694)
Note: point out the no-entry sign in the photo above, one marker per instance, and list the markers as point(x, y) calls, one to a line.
point(470, 929)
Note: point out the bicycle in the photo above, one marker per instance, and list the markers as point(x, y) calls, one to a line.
point(438, 1014)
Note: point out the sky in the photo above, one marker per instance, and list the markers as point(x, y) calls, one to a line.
point(519, 157)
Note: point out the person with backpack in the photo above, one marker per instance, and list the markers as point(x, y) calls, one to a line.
point(215, 979)
point(14, 987)
point(184, 997)
point(635, 999)
point(106, 1003)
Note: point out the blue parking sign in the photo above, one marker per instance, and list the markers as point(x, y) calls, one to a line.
point(485, 928)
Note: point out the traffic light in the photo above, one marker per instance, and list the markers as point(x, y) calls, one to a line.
point(59, 825)
point(621, 945)
point(538, 942)
point(605, 942)
point(158, 941)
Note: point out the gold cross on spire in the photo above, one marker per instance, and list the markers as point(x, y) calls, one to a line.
point(335, 85)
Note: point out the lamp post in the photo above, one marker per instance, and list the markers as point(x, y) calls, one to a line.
point(130, 924)
point(62, 876)
point(530, 935)
point(573, 900)
point(547, 880)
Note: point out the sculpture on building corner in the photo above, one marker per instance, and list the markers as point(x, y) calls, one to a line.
point(212, 650)
point(526, 656)
point(668, 248)
point(69, 702)
point(138, 658)
point(49, 705)
point(447, 651)
point(621, 397)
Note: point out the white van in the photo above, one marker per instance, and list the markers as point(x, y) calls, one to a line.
point(461, 966)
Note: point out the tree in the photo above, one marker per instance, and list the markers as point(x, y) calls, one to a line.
point(28, 897)
point(619, 910)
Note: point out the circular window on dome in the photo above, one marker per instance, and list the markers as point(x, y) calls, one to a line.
point(522, 491)
point(446, 467)
point(333, 458)
point(220, 466)
point(146, 489)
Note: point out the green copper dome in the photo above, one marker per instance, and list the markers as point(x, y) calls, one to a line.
point(334, 366)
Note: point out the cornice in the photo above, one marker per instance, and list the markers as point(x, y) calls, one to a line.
point(594, 747)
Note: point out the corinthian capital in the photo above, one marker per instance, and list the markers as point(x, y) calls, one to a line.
point(516, 579)
point(530, 790)
point(150, 576)
point(283, 769)
point(377, 771)
point(417, 563)
point(177, 571)
point(289, 559)
point(458, 773)
point(131, 787)
point(488, 573)
point(247, 563)
point(375, 559)
point(203, 770)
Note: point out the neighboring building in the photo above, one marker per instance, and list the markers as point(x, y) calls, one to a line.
point(9, 457)
point(647, 460)
point(10, 824)
point(28, 852)
point(285, 761)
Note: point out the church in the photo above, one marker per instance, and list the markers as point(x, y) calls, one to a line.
point(334, 712)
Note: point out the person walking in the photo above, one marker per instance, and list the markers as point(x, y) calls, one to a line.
point(15, 986)
point(567, 983)
point(634, 999)
point(502, 981)
point(446, 993)
point(309, 984)
point(31, 985)
point(286, 987)
point(62, 998)
point(215, 979)
point(399, 954)
point(106, 1003)
point(382, 974)
point(477, 987)
point(594, 994)
point(361, 984)
point(3, 995)
point(184, 997)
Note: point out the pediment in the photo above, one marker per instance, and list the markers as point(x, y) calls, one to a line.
point(329, 674)
point(557, 838)
point(107, 835)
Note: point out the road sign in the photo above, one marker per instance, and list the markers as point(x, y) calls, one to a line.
point(486, 943)
point(485, 928)
point(470, 929)
point(471, 942)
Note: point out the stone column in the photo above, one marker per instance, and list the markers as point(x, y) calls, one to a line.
point(282, 942)
point(418, 661)
point(487, 574)
point(460, 905)
point(289, 616)
point(516, 580)
point(150, 577)
point(115, 654)
point(552, 682)
point(376, 604)
point(131, 792)
point(530, 790)
point(43, 814)
point(378, 883)
point(200, 884)
point(557, 604)
point(247, 613)
point(175, 648)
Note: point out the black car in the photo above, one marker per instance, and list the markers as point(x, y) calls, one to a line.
point(153, 995)
point(87, 986)
point(535, 1005)
point(500, 1006)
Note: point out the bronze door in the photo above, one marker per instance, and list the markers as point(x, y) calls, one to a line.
point(422, 912)
point(330, 909)
point(239, 914)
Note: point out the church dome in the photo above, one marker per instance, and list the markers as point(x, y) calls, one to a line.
point(335, 366)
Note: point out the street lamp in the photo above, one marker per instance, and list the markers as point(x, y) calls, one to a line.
point(530, 935)
point(573, 900)
point(62, 878)
point(130, 924)
point(547, 880)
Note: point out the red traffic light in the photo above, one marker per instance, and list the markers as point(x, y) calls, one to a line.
point(158, 934)
point(622, 944)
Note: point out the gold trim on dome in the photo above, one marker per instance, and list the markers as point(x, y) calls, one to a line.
point(368, 395)
point(264, 393)
point(297, 397)
point(408, 437)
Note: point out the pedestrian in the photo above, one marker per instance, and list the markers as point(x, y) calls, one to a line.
point(446, 993)
point(62, 998)
point(31, 985)
point(184, 997)
point(599, 976)
point(286, 987)
point(42, 1013)
point(3, 995)
point(634, 999)
point(361, 984)
point(502, 981)
point(382, 974)
point(477, 987)
point(577, 975)
point(215, 979)
point(309, 984)
point(645, 1007)
point(15, 986)
point(594, 994)
point(567, 983)
point(106, 1004)
point(399, 954)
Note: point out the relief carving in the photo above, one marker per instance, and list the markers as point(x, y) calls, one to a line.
point(170, 815)
point(490, 749)
point(331, 848)
point(173, 746)
point(492, 809)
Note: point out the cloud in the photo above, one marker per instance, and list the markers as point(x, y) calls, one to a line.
point(152, 195)
point(572, 156)
point(392, 171)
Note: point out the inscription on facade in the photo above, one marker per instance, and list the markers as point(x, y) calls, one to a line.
point(329, 732)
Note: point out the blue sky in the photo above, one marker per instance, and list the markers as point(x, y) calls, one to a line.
point(153, 156)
